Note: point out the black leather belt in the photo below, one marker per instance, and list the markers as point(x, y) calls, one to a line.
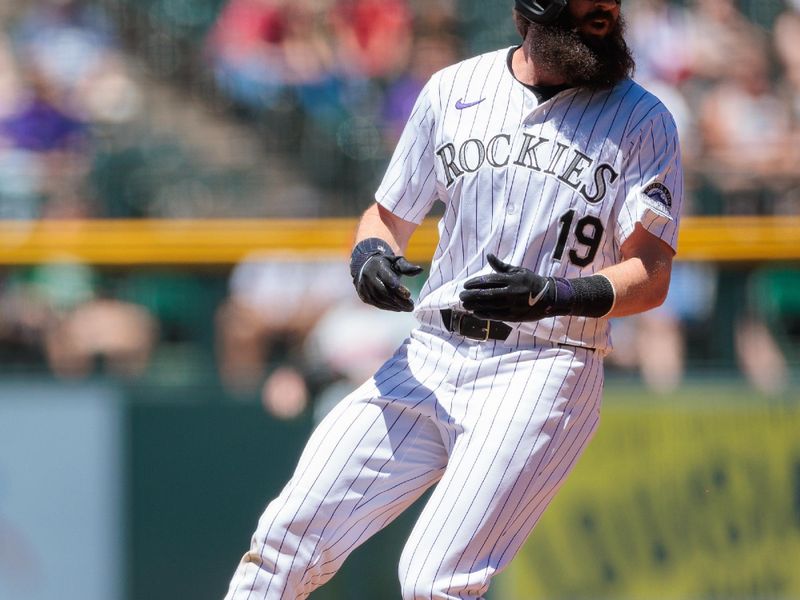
point(464, 323)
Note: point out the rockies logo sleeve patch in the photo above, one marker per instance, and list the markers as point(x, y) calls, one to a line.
point(658, 196)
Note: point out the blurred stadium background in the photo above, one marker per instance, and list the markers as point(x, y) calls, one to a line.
point(178, 186)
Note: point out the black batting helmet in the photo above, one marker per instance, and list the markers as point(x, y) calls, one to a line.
point(540, 11)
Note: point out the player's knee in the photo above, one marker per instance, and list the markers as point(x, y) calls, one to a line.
point(424, 589)
point(431, 580)
point(412, 582)
point(420, 583)
point(411, 589)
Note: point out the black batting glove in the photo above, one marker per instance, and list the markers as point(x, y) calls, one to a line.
point(512, 294)
point(376, 275)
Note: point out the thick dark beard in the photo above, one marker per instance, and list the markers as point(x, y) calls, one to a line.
point(583, 61)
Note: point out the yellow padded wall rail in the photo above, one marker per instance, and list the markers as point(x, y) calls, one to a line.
point(228, 241)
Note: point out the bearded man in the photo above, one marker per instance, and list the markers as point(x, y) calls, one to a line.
point(562, 186)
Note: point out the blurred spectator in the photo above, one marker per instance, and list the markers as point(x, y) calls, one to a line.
point(65, 40)
point(272, 306)
point(343, 347)
point(431, 52)
point(71, 45)
point(64, 76)
point(745, 125)
point(659, 35)
point(347, 345)
point(718, 34)
point(314, 72)
point(261, 48)
point(374, 37)
point(435, 16)
point(319, 81)
point(48, 143)
point(787, 34)
point(656, 342)
point(42, 124)
point(10, 84)
point(120, 334)
point(55, 308)
point(246, 51)
point(759, 356)
point(768, 333)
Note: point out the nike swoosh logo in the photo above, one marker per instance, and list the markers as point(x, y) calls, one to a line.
point(532, 300)
point(460, 105)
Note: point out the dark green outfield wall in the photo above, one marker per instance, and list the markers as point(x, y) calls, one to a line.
point(199, 477)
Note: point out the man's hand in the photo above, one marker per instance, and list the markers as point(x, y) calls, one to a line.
point(511, 294)
point(376, 276)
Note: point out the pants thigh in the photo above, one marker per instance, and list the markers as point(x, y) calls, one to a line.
point(368, 460)
point(524, 424)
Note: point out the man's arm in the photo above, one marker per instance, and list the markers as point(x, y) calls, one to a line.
point(641, 280)
point(377, 222)
point(638, 283)
point(377, 264)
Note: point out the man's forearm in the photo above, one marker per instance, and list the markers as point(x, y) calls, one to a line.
point(377, 222)
point(638, 286)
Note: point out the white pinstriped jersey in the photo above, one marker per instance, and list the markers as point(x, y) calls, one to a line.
point(556, 187)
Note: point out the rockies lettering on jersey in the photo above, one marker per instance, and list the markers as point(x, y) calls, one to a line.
point(473, 154)
point(556, 186)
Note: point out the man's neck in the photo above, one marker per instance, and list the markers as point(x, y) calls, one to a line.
point(527, 72)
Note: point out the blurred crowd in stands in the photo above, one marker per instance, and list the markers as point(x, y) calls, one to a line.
point(325, 87)
point(352, 68)
point(62, 75)
point(332, 80)
point(329, 83)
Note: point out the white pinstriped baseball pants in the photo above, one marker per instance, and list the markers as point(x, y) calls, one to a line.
point(499, 428)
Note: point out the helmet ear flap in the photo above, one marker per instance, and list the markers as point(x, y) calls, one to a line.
point(540, 11)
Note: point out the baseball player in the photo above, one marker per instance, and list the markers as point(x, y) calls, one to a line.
point(562, 187)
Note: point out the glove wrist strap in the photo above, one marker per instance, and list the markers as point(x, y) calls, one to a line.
point(363, 251)
point(583, 296)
